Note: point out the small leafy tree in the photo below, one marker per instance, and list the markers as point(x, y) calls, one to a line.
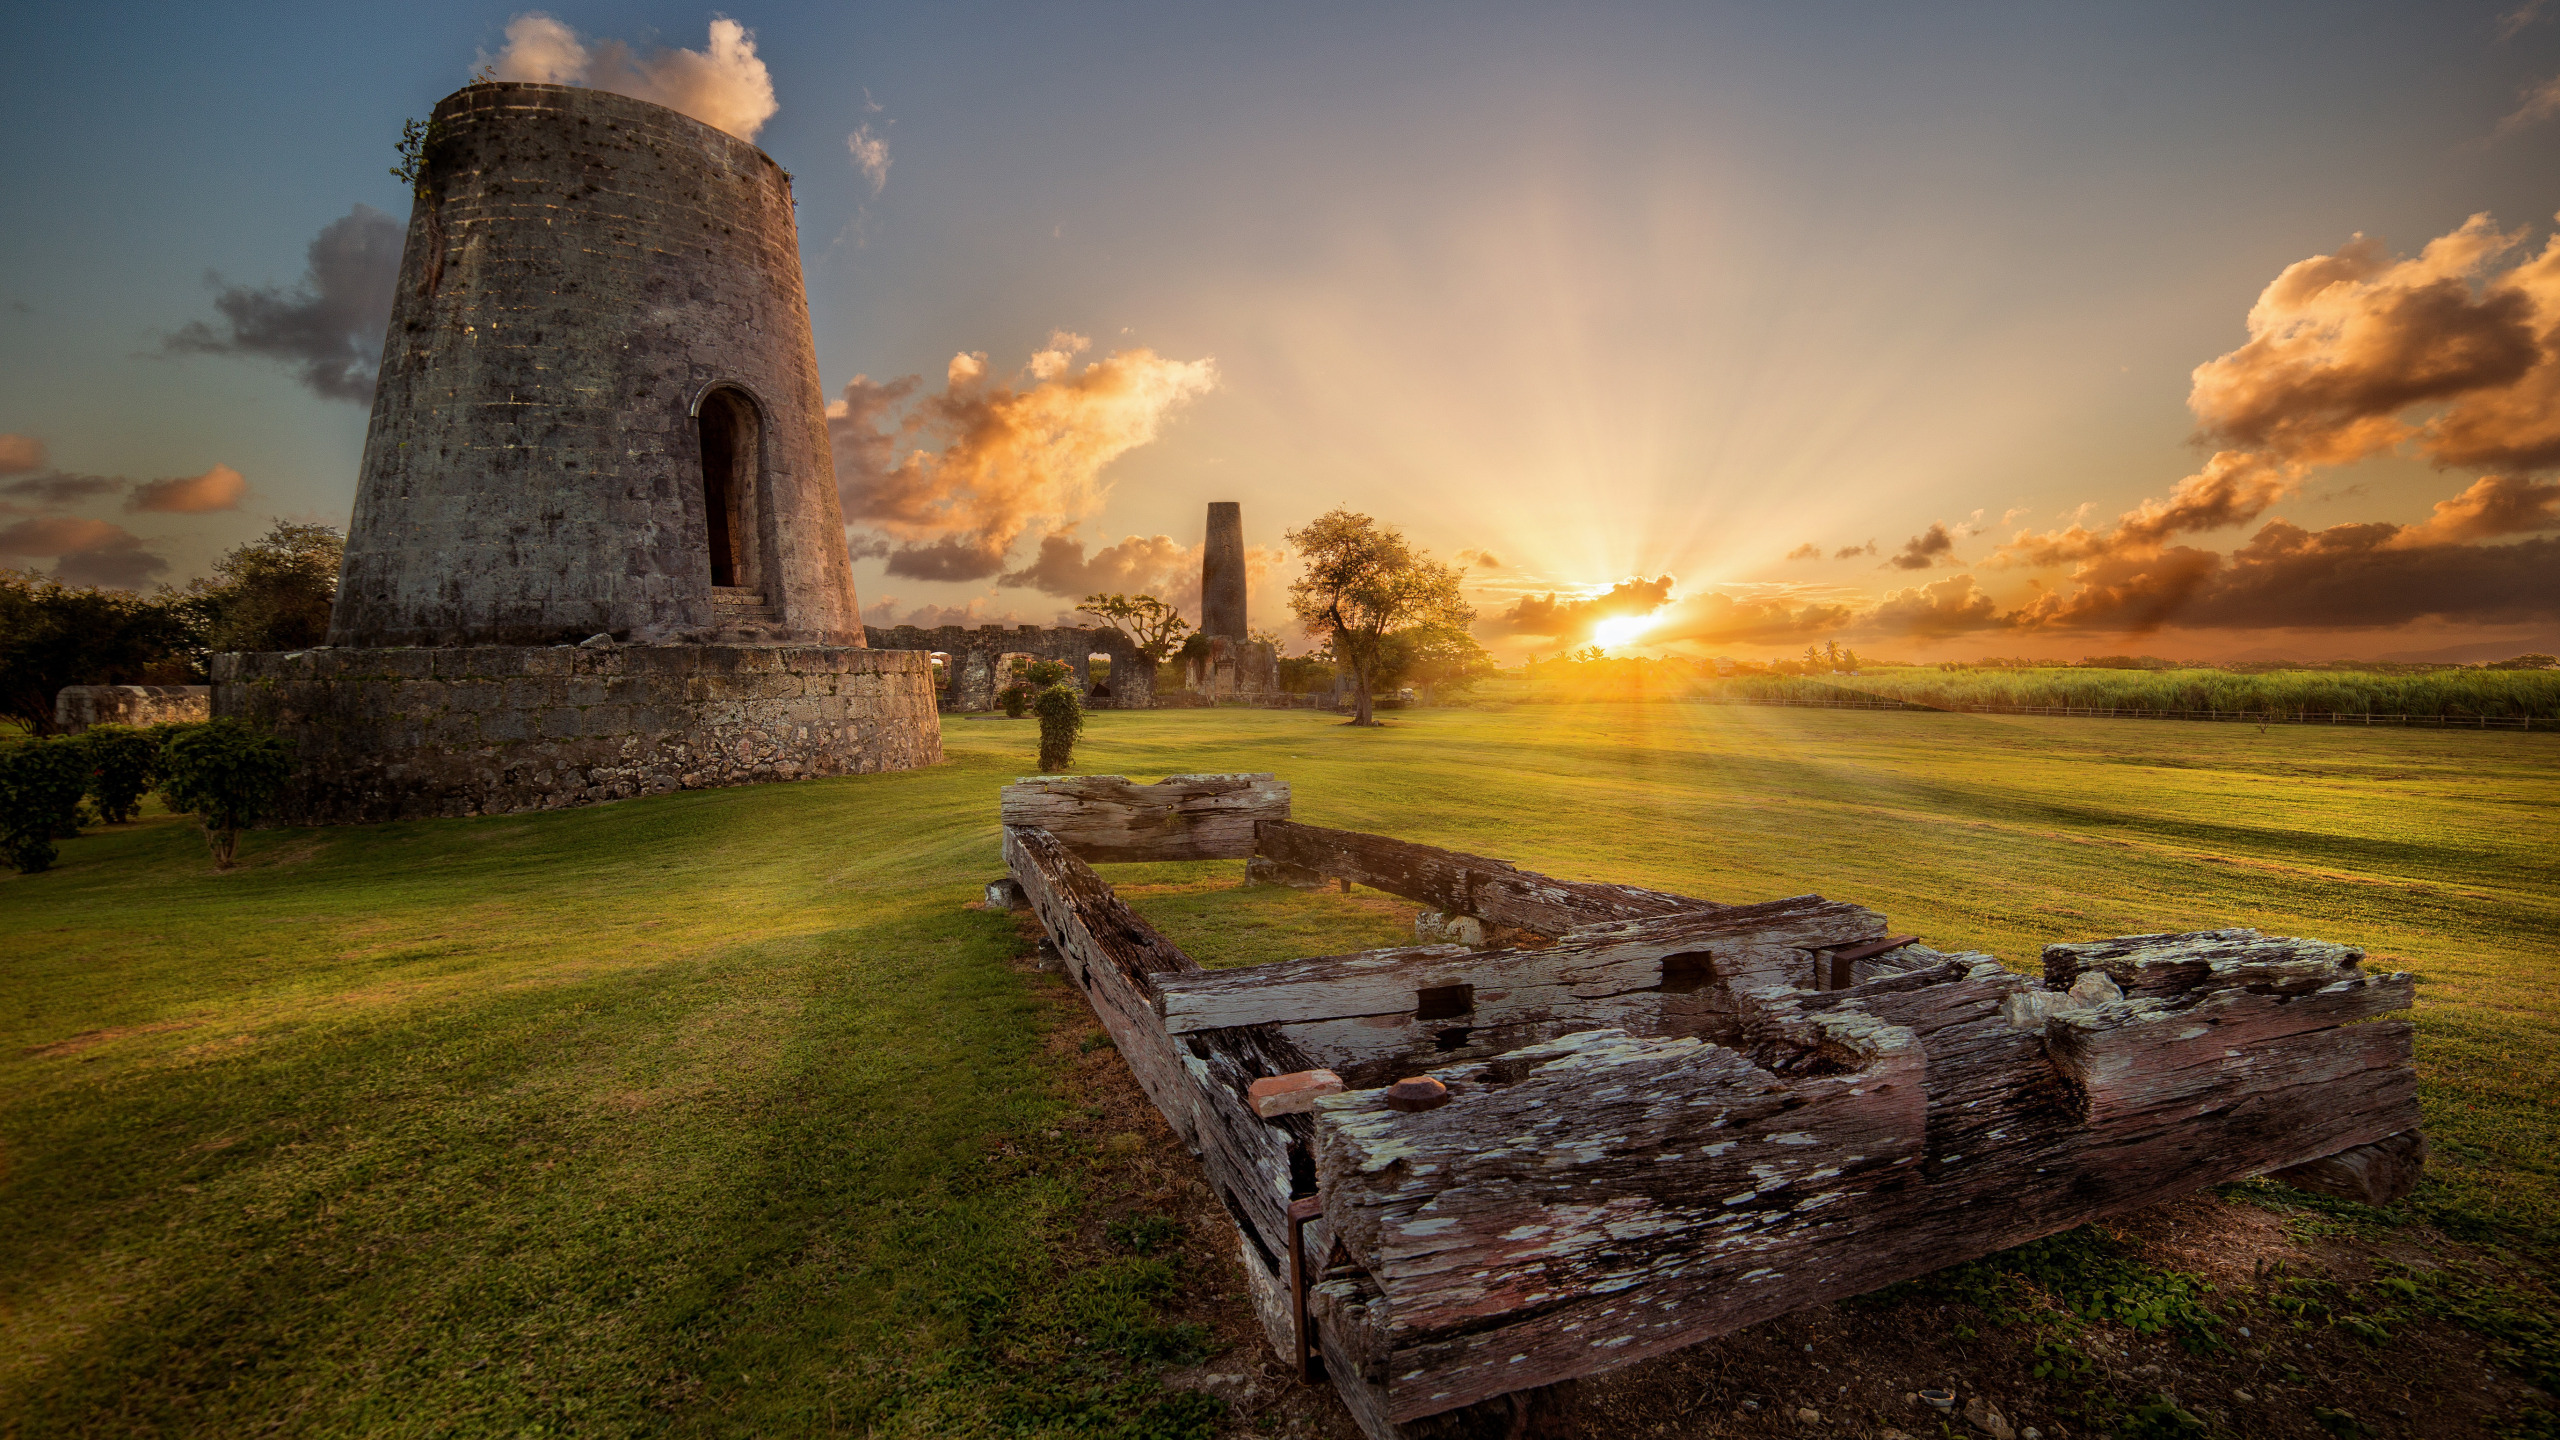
point(1152, 625)
point(1044, 673)
point(1305, 674)
point(1442, 656)
point(1364, 581)
point(1061, 723)
point(230, 773)
point(123, 763)
point(273, 593)
point(41, 782)
point(1017, 700)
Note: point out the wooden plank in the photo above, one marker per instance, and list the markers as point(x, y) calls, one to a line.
point(2169, 966)
point(1456, 883)
point(1518, 1238)
point(1104, 818)
point(2146, 1057)
point(1743, 947)
point(1114, 957)
point(1198, 1082)
point(1561, 1179)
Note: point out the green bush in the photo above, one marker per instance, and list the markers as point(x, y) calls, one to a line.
point(1017, 700)
point(1044, 673)
point(123, 764)
point(41, 782)
point(228, 772)
point(1061, 722)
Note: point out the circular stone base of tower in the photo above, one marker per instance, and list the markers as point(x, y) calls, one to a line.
point(490, 730)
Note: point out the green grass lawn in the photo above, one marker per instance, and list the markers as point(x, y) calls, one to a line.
point(719, 1113)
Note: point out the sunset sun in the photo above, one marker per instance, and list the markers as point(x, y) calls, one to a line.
point(1620, 629)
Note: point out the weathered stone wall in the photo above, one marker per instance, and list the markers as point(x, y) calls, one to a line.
point(1233, 669)
point(77, 707)
point(582, 271)
point(976, 655)
point(397, 733)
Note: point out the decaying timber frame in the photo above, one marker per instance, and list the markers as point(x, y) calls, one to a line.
point(1667, 1118)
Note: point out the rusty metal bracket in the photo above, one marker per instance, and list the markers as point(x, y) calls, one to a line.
point(1301, 1211)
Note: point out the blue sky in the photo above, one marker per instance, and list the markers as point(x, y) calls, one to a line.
point(1607, 292)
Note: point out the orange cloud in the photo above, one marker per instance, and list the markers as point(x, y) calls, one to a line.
point(21, 454)
point(1953, 606)
point(2494, 505)
point(2344, 577)
point(88, 552)
point(2339, 345)
point(724, 84)
point(1011, 456)
point(2351, 355)
point(2233, 488)
point(220, 488)
point(1157, 566)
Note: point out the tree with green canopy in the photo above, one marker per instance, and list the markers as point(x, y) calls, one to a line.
point(1364, 582)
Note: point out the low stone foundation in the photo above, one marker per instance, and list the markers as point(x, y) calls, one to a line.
point(485, 730)
point(77, 707)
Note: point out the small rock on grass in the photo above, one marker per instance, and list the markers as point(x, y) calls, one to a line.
point(1984, 1416)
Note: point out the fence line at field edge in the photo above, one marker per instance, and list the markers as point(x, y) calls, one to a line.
point(2303, 716)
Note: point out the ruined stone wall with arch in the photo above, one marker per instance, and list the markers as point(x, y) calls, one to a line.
point(976, 668)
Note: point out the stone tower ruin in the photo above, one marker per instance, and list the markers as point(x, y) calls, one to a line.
point(597, 549)
point(1232, 663)
point(599, 408)
point(1222, 577)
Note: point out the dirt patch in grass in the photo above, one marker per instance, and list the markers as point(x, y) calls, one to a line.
point(89, 1039)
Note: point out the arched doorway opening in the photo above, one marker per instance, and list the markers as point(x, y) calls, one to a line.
point(1097, 668)
point(727, 426)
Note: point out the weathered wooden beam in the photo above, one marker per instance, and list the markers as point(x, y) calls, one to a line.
point(1612, 1189)
point(1453, 882)
point(1380, 1015)
point(1742, 946)
point(1103, 818)
point(1565, 1212)
point(1199, 1082)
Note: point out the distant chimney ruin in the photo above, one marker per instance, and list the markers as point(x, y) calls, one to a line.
point(1222, 573)
point(1232, 665)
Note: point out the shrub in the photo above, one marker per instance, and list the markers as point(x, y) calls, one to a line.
point(41, 782)
point(123, 762)
point(1044, 673)
point(1061, 721)
point(1017, 700)
point(227, 771)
